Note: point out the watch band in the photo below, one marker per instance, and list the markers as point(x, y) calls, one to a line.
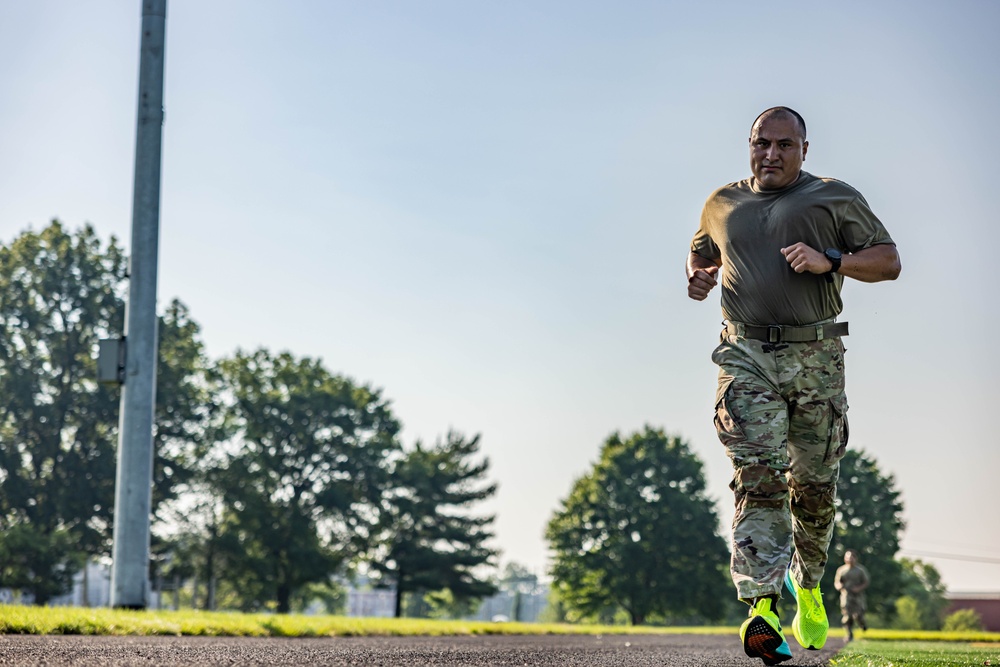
point(835, 258)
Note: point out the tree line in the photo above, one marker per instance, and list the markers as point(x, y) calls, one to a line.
point(274, 478)
point(271, 473)
point(635, 542)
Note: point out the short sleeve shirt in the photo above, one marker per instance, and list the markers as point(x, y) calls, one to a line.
point(746, 227)
point(849, 576)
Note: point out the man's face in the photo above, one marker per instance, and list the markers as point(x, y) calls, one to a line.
point(850, 558)
point(777, 150)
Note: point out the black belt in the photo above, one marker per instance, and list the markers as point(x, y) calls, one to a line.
point(779, 333)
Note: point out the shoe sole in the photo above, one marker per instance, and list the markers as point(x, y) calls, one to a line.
point(761, 641)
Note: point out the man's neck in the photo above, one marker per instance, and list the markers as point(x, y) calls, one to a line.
point(766, 191)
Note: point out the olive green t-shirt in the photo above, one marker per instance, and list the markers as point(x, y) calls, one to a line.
point(746, 228)
point(850, 576)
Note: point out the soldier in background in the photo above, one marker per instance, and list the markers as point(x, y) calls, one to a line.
point(852, 580)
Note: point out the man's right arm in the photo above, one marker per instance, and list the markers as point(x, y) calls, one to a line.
point(863, 584)
point(701, 275)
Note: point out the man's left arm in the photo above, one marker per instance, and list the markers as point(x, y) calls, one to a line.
point(870, 265)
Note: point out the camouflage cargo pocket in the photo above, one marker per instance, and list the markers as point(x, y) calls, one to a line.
point(726, 421)
point(840, 430)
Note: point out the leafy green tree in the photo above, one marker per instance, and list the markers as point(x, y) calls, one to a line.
point(869, 520)
point(187, 424)
point(908, 616)
point(430, 541)
point(302, 476)
point(555, 609)
point(444, 605)
point(921, 582)
point(188, 427)
point(60, 293)
point(329, 595)
point(189, 550)
point(638, 532)
point(963, 620)
point(42, 563)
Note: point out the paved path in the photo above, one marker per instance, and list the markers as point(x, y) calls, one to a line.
point(561, 651)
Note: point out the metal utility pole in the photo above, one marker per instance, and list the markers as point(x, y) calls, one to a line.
point(134, 481)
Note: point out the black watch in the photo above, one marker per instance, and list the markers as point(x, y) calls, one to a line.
point(835, 258)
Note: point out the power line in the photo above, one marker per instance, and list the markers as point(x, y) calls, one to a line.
point(936, 554)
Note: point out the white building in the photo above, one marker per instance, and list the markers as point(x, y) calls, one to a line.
point(91, 588)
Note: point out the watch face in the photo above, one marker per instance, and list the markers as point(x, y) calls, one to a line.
point(832, 254)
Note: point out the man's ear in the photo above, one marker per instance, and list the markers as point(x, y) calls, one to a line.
point(805, 149)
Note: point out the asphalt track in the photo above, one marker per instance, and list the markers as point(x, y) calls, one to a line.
point(561, 651)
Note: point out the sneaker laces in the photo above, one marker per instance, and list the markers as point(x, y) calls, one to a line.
point(815, 609)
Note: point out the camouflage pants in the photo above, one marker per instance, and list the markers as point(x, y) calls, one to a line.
point(781, 414)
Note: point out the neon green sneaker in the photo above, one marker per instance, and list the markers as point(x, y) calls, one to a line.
point(810, 624)
point(761, 634)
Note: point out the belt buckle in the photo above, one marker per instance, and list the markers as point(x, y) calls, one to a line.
point(773, 333)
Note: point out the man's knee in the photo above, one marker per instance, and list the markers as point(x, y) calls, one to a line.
point(757, 485)
point(815, 499)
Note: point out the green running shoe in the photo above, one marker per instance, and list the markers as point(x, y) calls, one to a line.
point(810, 624)
point(761, 634)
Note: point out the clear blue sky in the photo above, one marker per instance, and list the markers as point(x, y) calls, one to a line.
point(485, 207)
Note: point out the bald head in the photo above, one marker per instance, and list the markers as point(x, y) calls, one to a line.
point(778, 147)
point(786, 112)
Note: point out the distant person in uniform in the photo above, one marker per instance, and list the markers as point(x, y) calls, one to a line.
point(852, 580)
point(781, 244)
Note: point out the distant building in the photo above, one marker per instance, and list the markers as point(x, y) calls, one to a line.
point(91, 588)
point(986, 604)
point(513, 606)
point(379, 602)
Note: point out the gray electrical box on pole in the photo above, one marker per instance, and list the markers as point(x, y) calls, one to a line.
point(134, 481)
point(111, 361)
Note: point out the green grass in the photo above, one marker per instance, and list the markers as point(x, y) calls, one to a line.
point(102, 621)
point(874, 653)
point(927, 635)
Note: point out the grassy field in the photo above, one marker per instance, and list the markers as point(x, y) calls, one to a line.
point(102, 621)
point(875, 653)
point(925, 635)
